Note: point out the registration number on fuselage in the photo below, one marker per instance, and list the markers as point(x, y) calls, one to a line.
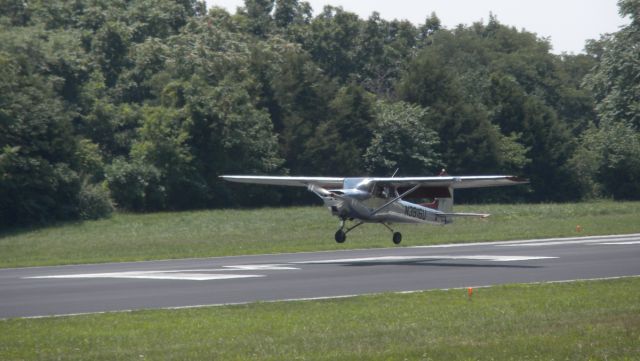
point(415, 212)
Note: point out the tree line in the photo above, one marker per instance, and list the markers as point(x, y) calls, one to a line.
point(142, 104)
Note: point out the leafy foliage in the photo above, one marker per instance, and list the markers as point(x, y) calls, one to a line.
point(401, 139)
point(146, 103)
point(608, 161)
point(614, 82)
point(94, 201)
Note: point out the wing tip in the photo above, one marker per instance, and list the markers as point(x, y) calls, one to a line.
point(518, 179)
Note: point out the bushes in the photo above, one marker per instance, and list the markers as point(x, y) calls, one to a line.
point(94, 201)
point(135, 186)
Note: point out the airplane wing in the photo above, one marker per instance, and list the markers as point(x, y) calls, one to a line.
point(453, 181)
point(324, 182)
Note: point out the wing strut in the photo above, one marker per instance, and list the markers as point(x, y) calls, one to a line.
point(394, 200)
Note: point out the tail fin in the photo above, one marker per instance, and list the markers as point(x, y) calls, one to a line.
point(442, 199)
point(445, 204)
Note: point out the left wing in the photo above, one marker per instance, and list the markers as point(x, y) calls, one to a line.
point(323, 182)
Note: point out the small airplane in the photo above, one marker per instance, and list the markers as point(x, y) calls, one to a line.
point(380, 200)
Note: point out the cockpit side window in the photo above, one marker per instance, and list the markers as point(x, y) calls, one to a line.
point(378, 191)
point(384, 191)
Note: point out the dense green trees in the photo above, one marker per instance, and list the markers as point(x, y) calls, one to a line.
point(608, 158)
point(144, 104)
point(401, 139)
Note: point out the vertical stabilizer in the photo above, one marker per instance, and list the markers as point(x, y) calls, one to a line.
point(445, 204)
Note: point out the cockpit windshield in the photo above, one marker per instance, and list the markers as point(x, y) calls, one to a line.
point(362, 184)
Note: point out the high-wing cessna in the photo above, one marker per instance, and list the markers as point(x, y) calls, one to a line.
point(380, 200)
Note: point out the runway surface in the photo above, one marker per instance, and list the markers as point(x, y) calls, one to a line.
point(42, 291)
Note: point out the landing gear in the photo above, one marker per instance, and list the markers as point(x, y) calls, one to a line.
point(397, 236)
point(341, 234)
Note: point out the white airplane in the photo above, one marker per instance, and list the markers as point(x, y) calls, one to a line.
point(380, 200)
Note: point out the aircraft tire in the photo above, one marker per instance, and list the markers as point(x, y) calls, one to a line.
point(341, 236)
point(397, 238)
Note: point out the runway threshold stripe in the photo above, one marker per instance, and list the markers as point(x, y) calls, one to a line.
point(302, 299)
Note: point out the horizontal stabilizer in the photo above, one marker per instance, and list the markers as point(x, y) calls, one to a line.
point(481, 215)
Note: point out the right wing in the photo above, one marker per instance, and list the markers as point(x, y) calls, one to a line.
point(324, 182)
point(441, 186)
point(456, 182)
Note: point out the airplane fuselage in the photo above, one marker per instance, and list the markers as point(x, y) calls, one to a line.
point(398, 212)
point(370, 204)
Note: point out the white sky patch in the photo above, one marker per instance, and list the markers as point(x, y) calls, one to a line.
point(568, 23)
point(490, 258)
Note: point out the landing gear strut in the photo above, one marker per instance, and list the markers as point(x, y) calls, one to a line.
point(341, 234)
point(397, 236)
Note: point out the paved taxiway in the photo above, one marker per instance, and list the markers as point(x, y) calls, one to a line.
point(40, 291)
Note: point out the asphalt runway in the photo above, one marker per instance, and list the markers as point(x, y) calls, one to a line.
point(77, 289)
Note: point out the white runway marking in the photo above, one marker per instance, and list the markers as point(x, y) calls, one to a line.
point(188, 275)
point(157, 275)
point(428, 258)
point(631, 239)
point(620, 243)
point(540, 244)
point(213, 274)
point(262, 267)
point(543, 241)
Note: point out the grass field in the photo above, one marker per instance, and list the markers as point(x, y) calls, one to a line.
point(595, 320)
point(134, 237)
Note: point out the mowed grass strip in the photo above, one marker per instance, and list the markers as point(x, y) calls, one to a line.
point(136, 237)
point(597, 320)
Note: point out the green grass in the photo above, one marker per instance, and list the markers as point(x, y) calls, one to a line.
point(134, 237)
point(597, 320)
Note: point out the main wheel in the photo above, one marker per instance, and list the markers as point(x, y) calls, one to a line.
point(341, 236)
point(397, 237)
